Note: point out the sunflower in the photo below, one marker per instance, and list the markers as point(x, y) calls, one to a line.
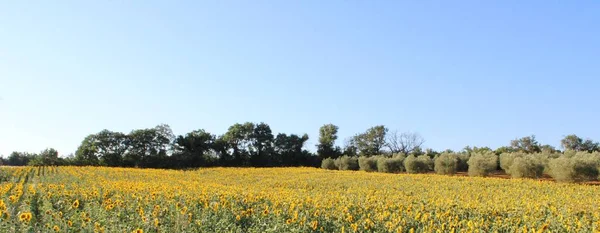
point(138, 231)
point(22, 217)
point(70, 223)
point(314, 225)
point(56, 228)
point(76, 204)
point(25, 217)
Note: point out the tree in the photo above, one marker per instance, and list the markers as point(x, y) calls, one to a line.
point(289, 150)
point(327, 137)
point(239, 140)
point(475, 149)
point(262, 143)
point(372, 141)
point(19, 158)
point(431, 153)
point(403, 142)
point(103, 148)
point(504, 149)
point(548, 149)
point(575, 143)
point(526, 144)
point(192, 149)
point(87, 152)
point(350, 148)
point(48, 157)
point(149, 147)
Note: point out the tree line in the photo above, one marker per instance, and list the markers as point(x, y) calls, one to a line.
point(252, 144)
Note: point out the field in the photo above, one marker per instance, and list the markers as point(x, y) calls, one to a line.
point(93, 199)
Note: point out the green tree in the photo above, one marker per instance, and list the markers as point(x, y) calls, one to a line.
point(526, 144)
point(289, 150)
point(504, 149)
point(87, 152)
point(149, 147)
point(239, 140)
point(191, 150)
point(19, 158)
point(372, 141)
point(262, 143)
point(575, 143)
point(103, 148)
point(48, 157)
point(326, 147)
point(350, 148)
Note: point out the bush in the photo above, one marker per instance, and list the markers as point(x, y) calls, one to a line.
point(506, 160)
point(575, 167)
point(446, 163)
point(328, 164)
point(421, 164)
point(368, 164)
point(528, 166)
point(481, 164)
point(390, 165)
point(347, 163)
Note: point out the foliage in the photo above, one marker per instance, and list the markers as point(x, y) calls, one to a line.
point(372, 141)
point(420, 164)
point(391, 165)
point(347, 163)
point(329, 164)
point(529, 166)
point(327, 136)
point(575, 143)
point(506, 160)
point(368, 164)
point(526, 144)
point(446, 164)
point(482, 164)
point(578, 167)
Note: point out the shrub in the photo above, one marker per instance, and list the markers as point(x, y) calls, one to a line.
point(575, 167)
point(368, 164)
point(528, 166)
point(421, 164)
point(446, 163)
point(481, 164)
point(506, 160)
point(328, 164)
point(347, 163)
point(390, 165)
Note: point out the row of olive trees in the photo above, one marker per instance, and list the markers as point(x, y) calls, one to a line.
point(570, 166)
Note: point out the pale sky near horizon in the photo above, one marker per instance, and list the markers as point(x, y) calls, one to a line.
point(476, 73)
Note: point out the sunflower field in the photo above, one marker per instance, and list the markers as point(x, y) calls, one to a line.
point(96, 199)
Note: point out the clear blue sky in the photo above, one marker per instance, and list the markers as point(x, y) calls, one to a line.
point(476, 73)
